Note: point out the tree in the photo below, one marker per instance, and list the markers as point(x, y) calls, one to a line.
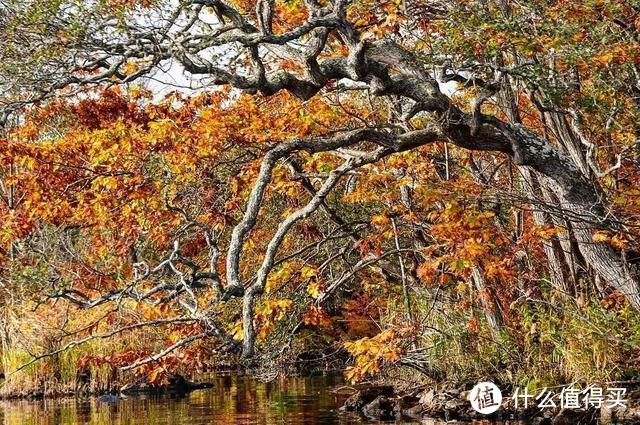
point(415, 74)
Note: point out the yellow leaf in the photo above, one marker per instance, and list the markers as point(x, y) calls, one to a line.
point(237, 331)
point(314, 289)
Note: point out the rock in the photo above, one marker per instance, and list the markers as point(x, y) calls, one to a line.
point(414, 411)
point(572, 416)
point(454, 392)
point(35, 395)
point(365, 396)
point(619, 415)
point(108, 398)
point(407, 405)
point(606, 415)
point(354, 403)
point(381, 408)
point(406, 401)
point(427, 398)
point(455, 405)
point(455, 409)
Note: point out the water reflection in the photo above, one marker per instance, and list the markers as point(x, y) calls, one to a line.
point(233, 400)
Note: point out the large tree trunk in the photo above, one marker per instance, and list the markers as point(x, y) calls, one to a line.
point(552, 173)
point(581, 200)
point(579, 197)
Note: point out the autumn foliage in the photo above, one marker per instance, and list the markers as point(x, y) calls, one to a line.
point(454, 262)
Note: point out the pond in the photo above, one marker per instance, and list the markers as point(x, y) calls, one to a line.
point(233, 400)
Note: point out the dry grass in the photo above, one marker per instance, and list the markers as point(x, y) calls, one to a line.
point(25, 334)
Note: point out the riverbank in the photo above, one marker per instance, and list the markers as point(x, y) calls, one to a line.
point(390, 398)
point(385, 402)
point(176, 384)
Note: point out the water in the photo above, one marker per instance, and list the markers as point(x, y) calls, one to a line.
point(233, 400)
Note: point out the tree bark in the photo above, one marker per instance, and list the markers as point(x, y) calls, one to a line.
point(490, 306)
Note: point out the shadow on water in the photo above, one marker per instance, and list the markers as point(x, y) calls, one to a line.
point(233, 400)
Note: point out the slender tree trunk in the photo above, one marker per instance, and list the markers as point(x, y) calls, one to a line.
point(491, 307)
point(560, 273)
